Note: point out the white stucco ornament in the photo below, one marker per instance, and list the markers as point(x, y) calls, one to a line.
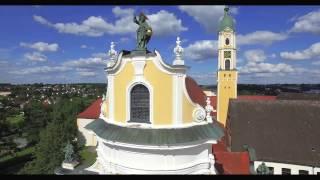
point(103, 104)
point(178, 51)
point(209, 108)
point(112, 53)
point(199, 114)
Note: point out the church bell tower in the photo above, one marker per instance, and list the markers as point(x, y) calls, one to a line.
point(227, 73)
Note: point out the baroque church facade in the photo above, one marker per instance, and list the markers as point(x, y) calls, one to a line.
point(154, 119)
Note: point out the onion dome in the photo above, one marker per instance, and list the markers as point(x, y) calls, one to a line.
point(227, 21)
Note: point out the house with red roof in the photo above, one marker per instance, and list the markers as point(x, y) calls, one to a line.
point(84, 118)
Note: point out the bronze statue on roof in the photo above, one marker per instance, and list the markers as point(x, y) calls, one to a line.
point(144, 32)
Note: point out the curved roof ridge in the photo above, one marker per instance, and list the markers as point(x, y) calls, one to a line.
point(195, 92)
point(91, 112)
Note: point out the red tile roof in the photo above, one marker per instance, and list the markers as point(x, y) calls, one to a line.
point(230, 162)
point(195, 92)
point(93, 111)
point(213, 100)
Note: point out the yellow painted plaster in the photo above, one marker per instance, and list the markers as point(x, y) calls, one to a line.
point(162, 94)
point(121, 80)
point(187, 110)
point(227, 88)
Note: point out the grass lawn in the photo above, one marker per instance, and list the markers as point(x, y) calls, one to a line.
point(14, 120)
point(87, 157)
point(1, 97)
point(23, 152)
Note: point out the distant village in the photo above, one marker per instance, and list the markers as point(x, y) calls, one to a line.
point(17, 148)
point(26, 109)
point(19, 95)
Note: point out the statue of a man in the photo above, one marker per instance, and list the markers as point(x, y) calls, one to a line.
point(263, 169)
point(144, 32)
point(68, 150)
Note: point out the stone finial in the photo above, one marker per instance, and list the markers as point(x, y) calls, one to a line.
point(178, 50)
point(209, 108)
point(112, 53)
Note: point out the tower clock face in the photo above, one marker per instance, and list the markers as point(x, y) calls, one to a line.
point(227, 54)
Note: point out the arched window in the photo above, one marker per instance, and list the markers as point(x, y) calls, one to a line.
point(227, 41)
point(139, 104)
point(227, 64)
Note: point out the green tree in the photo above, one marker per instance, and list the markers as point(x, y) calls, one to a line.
point(62, 128)
point(36, 118)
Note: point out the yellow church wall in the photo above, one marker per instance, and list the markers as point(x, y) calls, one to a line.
point(187, 109)
point(105, 109)
point(227, 88)
point(162, 94)
point(121, 80)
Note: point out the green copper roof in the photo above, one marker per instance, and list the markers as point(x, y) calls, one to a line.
point(154, 137)
point(227, 21)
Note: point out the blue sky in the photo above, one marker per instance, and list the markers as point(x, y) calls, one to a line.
point(69, 44)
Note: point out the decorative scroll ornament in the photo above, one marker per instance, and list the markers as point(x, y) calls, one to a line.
point(209, 109)
point(112, 53)
point(199, 114)
point(178, 50)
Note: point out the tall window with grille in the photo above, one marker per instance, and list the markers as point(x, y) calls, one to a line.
point(227, 64)
point(140, 104)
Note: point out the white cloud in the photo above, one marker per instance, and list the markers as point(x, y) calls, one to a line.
point(260, 37)
point(165, 23)
point(87, 73)
point(40, 70)
point(83, 46)
point(201, 50)
point(124, 40)
point(41, 46)
point(317, 63)
point(41, 20)
point(92, 62)
point(307, 23)
point(94, 26)
point(119, 12)
point(205, 49)
point(3, 62)
point(266, 68)
point(255, 56)
point(311, 52)
point(207, 16)
point(36, 57)
point(100, 55)
point(256, 64)
point(204, 78)
point(273, 55)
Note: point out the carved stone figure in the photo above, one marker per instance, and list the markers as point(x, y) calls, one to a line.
point(263, 169)
point(144, 32)
point(69, 152)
